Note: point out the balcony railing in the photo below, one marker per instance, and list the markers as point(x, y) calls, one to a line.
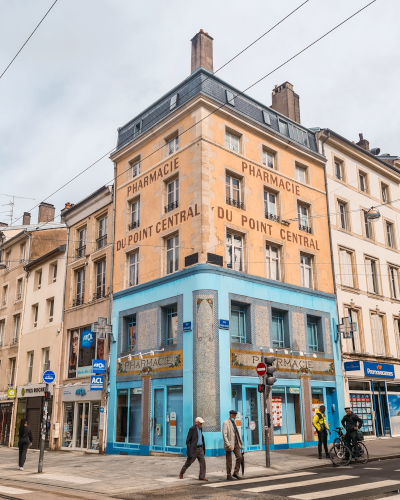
point(78, 301)
point(234, 203)
point(134, 225)
point(4, 303)
point(81, 251)
point(273, 217)
point(101, 242)
point(99, 294)
point(171, 206)
point(306, 229)
point(19, 296)
point(1, 343)
point(14, 341)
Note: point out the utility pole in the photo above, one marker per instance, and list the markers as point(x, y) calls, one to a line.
point(266, 418)
point(43, 430)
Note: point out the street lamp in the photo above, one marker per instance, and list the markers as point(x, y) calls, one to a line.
point(373, 214)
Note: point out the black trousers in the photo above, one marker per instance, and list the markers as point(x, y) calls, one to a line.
point(23, 448)
point(350, 438)
point(323, 440)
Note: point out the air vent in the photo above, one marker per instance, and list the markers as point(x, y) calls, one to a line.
point(217, 260)
point(191, 259)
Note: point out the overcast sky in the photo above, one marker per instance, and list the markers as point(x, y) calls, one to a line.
point(94, 64)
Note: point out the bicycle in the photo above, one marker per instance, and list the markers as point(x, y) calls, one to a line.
point(341, 454)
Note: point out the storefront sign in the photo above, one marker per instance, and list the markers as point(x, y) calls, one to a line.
point(137, 390)
point(187, 326)
point(6, 404)
point(151, 364)
point(224, 324)
point(98, 366)
point(378, 370)
point(172, 429)
point(79, 393)
point(96, 382)
point(294, 390)
point(11, 393)
point(33, 390)
point(350, 366)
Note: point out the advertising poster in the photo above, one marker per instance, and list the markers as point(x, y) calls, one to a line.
point(276, 411)
point(394, 413)
point(172, 429)
point(73, 353)
point(87, 353)
point(100, 349)
point(132, 336)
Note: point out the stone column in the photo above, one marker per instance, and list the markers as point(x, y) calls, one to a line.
point(146, 410)
point(305, 384)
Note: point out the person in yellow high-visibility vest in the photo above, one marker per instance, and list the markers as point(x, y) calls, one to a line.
point(322, 427)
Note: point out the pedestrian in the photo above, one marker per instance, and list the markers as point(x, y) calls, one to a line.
point(232, 443)
point(25, 440)
point(195, 448)
point(351, 422)
point(322, 427)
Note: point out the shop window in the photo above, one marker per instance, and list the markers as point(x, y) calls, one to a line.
point(131, 323)
point(82, 350)
point(68, 425)
point(171, 333)
point(314, 334)
point(234, 248)
point(122, 416)
point(279, 329)
point(361, 405)
point(286, 415)
point(238, 327)
point(358, 385)
point(135, 415)
point(317, 400)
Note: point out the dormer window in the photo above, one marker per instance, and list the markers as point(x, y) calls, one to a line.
point(173, 102)
point(266, 118)
point(137, 129)
point(230, 98)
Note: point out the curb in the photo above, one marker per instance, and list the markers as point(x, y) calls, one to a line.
point(373, 459)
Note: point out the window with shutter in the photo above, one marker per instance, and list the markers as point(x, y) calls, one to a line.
point(378, 335)
point(346, 268)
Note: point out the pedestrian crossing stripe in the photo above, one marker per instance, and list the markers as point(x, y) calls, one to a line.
point(260, 479)
point(344, 491)
point(13, 491)
point(297, 484)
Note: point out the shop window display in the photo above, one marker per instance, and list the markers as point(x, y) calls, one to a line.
point(286, 415)
point(68, 424)
point(83, 348)
point(122, 416)
point(175, 415)
point(135, 414)
point(361, 405)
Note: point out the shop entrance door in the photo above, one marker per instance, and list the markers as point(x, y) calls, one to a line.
point(82, 426)
point(251, 418)
point(382, 421)
point(158, 419)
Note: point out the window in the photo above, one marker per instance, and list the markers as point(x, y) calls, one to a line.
point(46, 360)
point(30, 367)
point(238, 324)
point(135, 169)
point(173, 145)
point(51, 310)
point(35, 315)
point(100, 279)
point(273, 262)
point(102, 234)
point(312, 334)
point(234, 250)
point(394, 282)
point(134, 269)
point(80, 287)
point(378, 334)
point(172, 254)
point(338, 171)
point(390, 234)
point(372, 275)
point(363, 182)
point(385, 193)
point(19, 289)
point(343, 215)
point(17, 320)
point(8, 260)
point(132, 333)
point(81, 250)
point(298, 134)
point(266, 117)
point(173, 102)
point(346, 268)
point(268, 159)
point(22, 253)
point(368, 227)
point(2, 328)
point(135, 215)
point(278, 329)
point(39, 279)
point(303, 218)
point(353, 345)
point(54, 272)
point(12, 371)
point(233, 189)
point(232, 141)
point(230, 98)
point(301, 174)
point(172, 325)
point(270, 206)
point(283, 127)
point(306, 271)
point(172, 195)
point(5, 295)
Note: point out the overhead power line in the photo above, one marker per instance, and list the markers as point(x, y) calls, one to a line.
point(27, 40)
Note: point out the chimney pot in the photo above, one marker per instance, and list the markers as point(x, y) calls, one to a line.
point(202, 52)
point(46, 212)
point(363, 143)
point(26, 219)
point(285, 101)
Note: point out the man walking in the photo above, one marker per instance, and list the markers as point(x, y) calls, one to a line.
point(195, 448)
point(322, 427)
point(232, 443)
point(351, 422)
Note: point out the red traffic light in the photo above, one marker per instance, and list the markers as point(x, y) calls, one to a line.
point(261, 388)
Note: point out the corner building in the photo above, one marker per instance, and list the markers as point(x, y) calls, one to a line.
point(214, 199)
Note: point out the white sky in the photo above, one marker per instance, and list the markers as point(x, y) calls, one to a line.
point(94, 64)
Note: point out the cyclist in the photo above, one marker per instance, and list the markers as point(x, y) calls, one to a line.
point(351, 422)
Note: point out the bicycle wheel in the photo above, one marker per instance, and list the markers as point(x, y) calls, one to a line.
point(340, 454)
point(336, 441)
point(361, 454)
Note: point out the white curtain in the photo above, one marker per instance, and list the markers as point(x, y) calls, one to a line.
point(377, 333)
point(346, 268)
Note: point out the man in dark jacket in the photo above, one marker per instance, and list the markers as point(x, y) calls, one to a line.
point(195, 448)
point(351, 422)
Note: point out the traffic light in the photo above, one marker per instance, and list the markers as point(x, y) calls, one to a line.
point(261, 387)
point(269, 376)
point(47, 395)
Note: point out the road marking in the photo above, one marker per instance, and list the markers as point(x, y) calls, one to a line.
point(66, 479)
point(260, 479)
point(344, 491)
point(393, 497)
point(173, 479)
point(372, 468)
point(308, 482)
point(15, 491)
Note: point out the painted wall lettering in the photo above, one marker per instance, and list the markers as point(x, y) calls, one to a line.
point(271, 178)
point(153, 176)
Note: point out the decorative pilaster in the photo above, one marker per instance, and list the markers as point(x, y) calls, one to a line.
point(305, 384)
point(146, 410)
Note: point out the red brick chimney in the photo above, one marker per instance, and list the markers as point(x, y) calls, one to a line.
point(286, 102)
point(46, 212)
point(202, 51)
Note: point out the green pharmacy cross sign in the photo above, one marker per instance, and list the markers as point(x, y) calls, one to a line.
point(102, 328)
point(347, 328)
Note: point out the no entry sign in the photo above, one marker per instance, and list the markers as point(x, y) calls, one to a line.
point(261, 369)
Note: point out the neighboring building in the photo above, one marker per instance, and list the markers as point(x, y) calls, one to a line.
point(87, 297)
point(18, 246)
point(40, 342)
point(214, 222)
point(366, 256)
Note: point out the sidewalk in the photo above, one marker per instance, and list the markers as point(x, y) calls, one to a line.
point(120, 474)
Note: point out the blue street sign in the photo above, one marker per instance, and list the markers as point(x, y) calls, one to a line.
point(378, 370)
point(98, 366)
point(224, 324)
point(101, 409)
point(187, 326)
point(87, 339)
point(49, 376)
point(350, 366)
point(96, 382)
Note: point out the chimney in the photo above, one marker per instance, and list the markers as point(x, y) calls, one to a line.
point(26, 219)
point(363, 143)
point(202, 51)
point(286, 102)
point(46, 212)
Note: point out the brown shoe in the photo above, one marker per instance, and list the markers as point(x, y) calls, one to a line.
point(180, 476)
point(203, 479)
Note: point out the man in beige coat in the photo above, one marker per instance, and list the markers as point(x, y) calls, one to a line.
point(232, 443)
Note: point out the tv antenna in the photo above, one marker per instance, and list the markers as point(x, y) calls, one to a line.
point(10, 212)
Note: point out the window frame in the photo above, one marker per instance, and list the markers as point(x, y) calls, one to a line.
point(35, 315)
point(300, 168)
point(45, 364)
point(171, 312)
point(174, 249)
point(232, 190)
point(51, 309)
point(242, 336)
point(132, 323)
point(172, 144)
point(13, 362)
point(81, 242)
point(228, 140)
point(171, 195)
point(368, 228)
point(375, 340)
point(266, 155)
point(342, 267)
point(101, 269)
point(313, 347)
point(357, 335)
point(79, 284)
point(102, 232)
point(272, 261)
point(2, 330)
point(31, 357)
point(234, 235)
point(17, 327)
point(385, 188)
point(364, 176)
point(135, 265)
point(343, 216)
point(394, 281)
point(374, 274)
point(309, 268)
point(301, 217)
point(134, 213)
point(278, 343)
point(338, 169)
point(390, 237)
point(268, 214)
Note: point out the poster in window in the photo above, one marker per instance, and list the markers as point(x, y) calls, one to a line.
point(100, 349)
point(174, 326)
point(394, 413)
point(87, 352)
point(73, 353)
point(132, 336)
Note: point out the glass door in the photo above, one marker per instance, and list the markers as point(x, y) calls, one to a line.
point(251, 418)
point(82, 426)
point(158, 417)
point(381, 409)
